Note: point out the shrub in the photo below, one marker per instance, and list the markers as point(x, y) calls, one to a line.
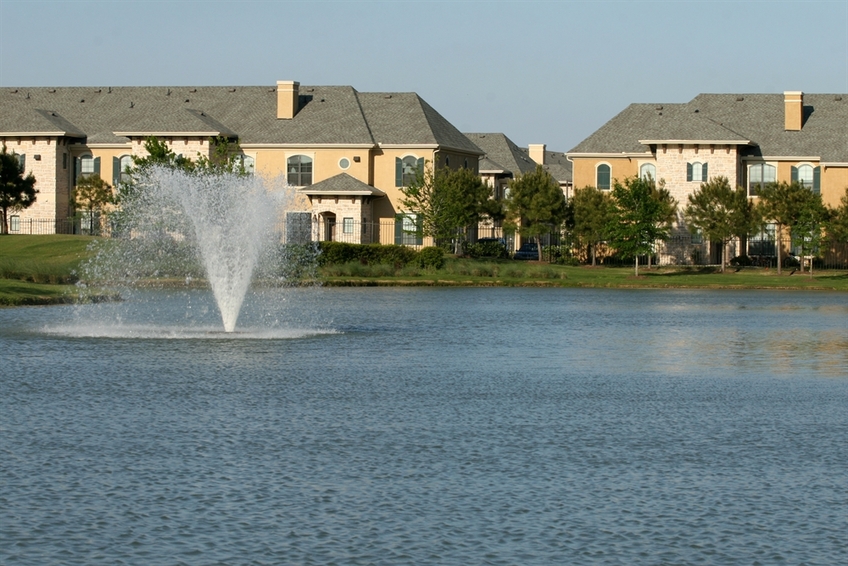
point(487, 249)
point(333, 253)
point(431, 258)
point(741, 261)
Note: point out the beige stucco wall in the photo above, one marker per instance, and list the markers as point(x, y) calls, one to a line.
point(834, 184)
point(583, 173)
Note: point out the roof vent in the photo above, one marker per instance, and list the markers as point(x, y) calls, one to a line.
point(15, 91)
point(740, 98)
point(186, 99)
point(837, 98)
point(696, 111)
point(51, 90)
point(82, 100)
point(192, 90)
point(132, 104)
point(387, 96)
point(168, 93)
point(99, 90)
point(658, 108)
point(232, 90)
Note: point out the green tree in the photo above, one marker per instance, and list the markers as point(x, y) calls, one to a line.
point(91, 194)
point(837, 226)
point(783, 203)
point(536, 205)
point(720, 213)
point(592, 211)
point(447, 201)
point(809, 229)
point(16, 191)
point(644, 213)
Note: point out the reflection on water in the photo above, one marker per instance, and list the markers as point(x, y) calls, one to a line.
point(416, 426)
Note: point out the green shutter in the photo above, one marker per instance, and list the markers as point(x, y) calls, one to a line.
point(97, 165)
point(116, 171)
point(704, 175)
point(794, 177)
point(398, 172)
point(77, 169)
point(817, 180)
point(688, 171)
point(420, 165)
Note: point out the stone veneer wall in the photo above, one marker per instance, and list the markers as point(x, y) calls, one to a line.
point(671, 162)
point(52, 180)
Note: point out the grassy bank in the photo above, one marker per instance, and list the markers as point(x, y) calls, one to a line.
point(38, 270)
point(41, 270)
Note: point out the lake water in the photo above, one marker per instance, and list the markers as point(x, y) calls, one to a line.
point(428, 426)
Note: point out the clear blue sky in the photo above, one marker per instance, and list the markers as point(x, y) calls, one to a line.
point(540, 72)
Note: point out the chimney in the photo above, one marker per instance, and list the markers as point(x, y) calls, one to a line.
point(537, 152)
point(287, 99)
point(793, 101)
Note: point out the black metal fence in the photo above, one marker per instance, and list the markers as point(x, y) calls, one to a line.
point(681, 249)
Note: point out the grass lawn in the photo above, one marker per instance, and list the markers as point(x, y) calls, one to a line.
point(41, 270)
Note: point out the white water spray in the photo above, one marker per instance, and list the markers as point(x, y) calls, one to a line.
point(181, 225)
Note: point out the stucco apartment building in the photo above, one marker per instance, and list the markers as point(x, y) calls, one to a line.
point(347, 152)
point(751, 139)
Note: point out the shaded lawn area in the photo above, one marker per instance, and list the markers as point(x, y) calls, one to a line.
point(42, 259)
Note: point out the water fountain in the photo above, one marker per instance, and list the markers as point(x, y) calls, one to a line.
point(178, 227)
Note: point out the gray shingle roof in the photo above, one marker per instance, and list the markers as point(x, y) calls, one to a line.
point(758, 118)
point(503, 151)
point(341, 184)
point(327, 115)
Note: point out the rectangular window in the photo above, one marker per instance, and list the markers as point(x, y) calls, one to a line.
point(759, 175)
point(347, 225)
point(408, 230)
point(762, 244)
point(14, 223)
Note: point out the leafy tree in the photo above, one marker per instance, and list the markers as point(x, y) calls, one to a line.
point(536, 205)
point(837, 226)
point(809, 229)
point(719, 212)
point(91, 194)
point(447, 201)
point(592, 211)
point(644, 213)
point(783, 203)
point(16, 191)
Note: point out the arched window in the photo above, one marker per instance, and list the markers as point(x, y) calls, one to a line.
point(86, 165)
point(808, 176)
point(648, 171)
point(603, 177)
point(759, 175)
point(407, 170)
point(696, 172)
point(120, 165)
point(299, 170)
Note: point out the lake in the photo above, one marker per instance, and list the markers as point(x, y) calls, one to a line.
point(428, 426)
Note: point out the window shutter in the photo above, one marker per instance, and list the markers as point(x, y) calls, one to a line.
point(688, 171)
point(794, 177)
point(817, 180)
point(421, 165)
point(77, 169)
point(398, 172)
point(704, 176)
point(97, 165)
point(398, 229)
point(116, 171)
